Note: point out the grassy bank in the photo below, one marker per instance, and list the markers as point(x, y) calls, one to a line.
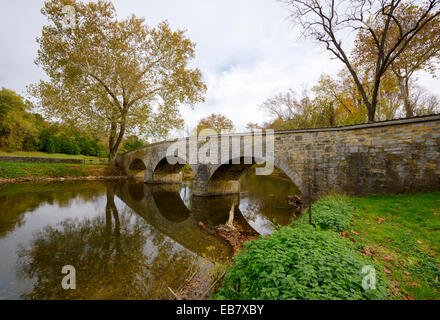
point(18, 170)
point(39, 154)
point(402, 233)
point(399, 235)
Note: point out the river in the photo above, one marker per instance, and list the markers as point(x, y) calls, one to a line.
point(126, 240)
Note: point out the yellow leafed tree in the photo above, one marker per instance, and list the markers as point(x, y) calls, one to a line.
point(114, 76)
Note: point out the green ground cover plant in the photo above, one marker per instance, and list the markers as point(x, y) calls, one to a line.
point(333, 212)
point(398, 234)
point(299, 263)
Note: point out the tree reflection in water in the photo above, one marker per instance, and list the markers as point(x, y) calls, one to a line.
point(126, 240)
point(18, 199)
point(116, 255)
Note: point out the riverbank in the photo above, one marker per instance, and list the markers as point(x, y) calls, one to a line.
point(40, 154)
point(397, 235)
point(11, 172)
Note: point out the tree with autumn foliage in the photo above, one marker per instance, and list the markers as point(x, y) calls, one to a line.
point(289, 111)
point(253, 126)
point(217, 122)
point(390, 32)
point(420, 54)
point(114, 76)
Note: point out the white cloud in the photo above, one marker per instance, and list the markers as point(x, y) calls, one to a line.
point(237, 92)
point(247, 50)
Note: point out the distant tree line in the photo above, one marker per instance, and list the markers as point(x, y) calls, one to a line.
point(54, 140)
point(22, 130)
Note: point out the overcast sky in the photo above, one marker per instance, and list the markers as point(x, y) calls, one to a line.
point(246, 49)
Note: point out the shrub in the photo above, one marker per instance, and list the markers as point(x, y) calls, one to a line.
point(186, 168)
point(331, 213)
point(67, 145)
point(87, 145)
point(299, 263)
point(132, 143)
point(52, 141)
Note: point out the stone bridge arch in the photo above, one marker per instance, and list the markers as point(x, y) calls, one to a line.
point(137, 168)
point(224, 178)
point(374, 158)
point(162, 171)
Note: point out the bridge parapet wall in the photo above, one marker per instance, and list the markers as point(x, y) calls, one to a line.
point(393, 157)
point(385, 157)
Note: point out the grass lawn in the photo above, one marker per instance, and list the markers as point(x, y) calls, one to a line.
point(52, 170)
point(39, 154)
point(402, 234)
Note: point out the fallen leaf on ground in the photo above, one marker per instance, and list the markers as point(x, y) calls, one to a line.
point(387, 258)
point(346, 235)
point(380, 220)
point(414, 284)
point(419, 242)
point(354, 232)
point(395, 287)
point(406, 272)
point(386, 270)
point(367, 251)
point(436, 280)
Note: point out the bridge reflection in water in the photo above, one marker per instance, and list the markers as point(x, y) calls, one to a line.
point(125, 239)
point(178, 215)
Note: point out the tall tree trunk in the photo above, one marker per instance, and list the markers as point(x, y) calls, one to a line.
point(372, 110)
point(332, 116)
point(404, 91)
point(112, 144)
point(371, 107)
point(112, 158)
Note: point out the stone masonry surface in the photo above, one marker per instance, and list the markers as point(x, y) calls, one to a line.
point(386, 157)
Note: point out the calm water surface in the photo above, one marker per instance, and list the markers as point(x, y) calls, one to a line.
point(125, 239)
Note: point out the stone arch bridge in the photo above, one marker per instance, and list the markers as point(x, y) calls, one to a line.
point(382, 157)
